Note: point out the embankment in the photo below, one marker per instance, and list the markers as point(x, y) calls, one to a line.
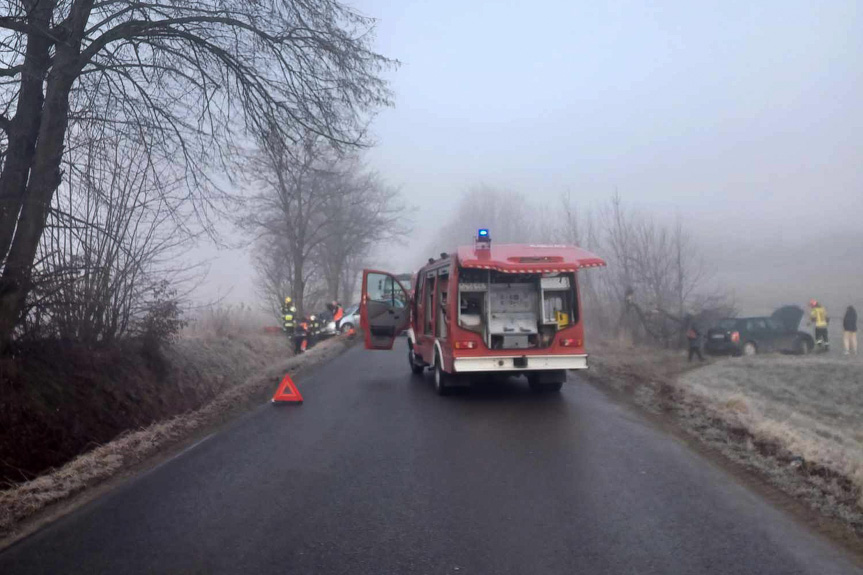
point(220, 367)
point(61, 399)
point(792, 421)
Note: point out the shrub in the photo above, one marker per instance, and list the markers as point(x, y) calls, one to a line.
point(163, 318)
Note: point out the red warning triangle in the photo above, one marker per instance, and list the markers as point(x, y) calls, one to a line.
point(287, 392)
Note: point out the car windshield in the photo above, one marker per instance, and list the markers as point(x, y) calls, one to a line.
point(726, 323)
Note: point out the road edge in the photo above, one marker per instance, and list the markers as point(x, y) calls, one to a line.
point(146, 449)
point(826, 526)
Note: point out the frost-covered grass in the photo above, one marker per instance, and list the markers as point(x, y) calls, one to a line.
point(795, 421)
point(812, 406)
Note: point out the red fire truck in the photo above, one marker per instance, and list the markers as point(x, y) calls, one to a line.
point(485, 309)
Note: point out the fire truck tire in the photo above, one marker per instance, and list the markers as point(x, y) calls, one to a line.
point(546, 387)
point(416, 367)
point(441, 378)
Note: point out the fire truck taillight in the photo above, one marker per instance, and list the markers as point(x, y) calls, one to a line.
point(465, 345)
point(566, 342)
point(735, 336)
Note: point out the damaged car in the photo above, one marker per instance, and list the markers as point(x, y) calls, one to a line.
point(751, 335)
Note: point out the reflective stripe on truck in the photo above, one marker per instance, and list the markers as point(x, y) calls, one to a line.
point(519, 363)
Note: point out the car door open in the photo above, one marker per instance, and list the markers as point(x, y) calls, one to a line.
point(384, 309)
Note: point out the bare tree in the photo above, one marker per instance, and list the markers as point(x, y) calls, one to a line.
point(361, 213)
point(293, 185)
point(272, 261)
point(110, 243)
point(655, 277)
point(183, 78)
point(508, 215)
point(323, 210)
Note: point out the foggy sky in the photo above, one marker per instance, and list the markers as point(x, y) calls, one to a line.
point(732, 115)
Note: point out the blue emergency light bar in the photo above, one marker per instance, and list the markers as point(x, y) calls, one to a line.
point(483, 238)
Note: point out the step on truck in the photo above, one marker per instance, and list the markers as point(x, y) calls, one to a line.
point(485, 309)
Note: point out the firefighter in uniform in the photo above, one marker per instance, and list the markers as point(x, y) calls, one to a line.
point(289, 316)
point(818, 315)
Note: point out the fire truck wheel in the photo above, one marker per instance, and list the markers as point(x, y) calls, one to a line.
point(416, 367)
point(441, 378)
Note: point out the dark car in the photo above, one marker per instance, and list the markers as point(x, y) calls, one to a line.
point(751, 335)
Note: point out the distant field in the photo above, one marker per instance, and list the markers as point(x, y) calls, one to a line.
point(811, 406)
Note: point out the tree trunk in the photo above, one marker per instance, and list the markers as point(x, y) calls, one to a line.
point(298, 285)
point(24, 127)
point(334, 277)
point(44, 180)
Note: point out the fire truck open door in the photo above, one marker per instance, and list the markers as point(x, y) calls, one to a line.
point(384, 309)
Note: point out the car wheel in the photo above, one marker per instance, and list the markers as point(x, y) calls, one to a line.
point(441, 378)
point(749, 348)
point(346, 327)
point(802, 347)
point(416, 367)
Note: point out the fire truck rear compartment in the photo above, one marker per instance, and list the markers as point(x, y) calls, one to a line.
point(515, 311)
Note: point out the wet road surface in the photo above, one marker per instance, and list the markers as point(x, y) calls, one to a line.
point(376, 474)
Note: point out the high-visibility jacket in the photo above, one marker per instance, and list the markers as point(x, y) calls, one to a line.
point(338, 314)
point(289, 311)
point(819, 316)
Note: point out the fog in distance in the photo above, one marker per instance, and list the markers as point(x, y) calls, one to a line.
point(742, 120)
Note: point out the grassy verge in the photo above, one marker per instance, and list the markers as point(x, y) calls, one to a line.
point(61, 399)
point(793, 421)
point(25, 500)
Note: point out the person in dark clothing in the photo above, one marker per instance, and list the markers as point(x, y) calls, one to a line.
point(694, 337)
point(314, 330)
point(849, 325)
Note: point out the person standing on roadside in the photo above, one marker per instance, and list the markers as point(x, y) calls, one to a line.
point(289, 312)
point(301, 336)
point(818, 315)
point(849, 324)
point(694, 337)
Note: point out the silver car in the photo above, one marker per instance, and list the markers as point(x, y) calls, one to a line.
point(351, 319)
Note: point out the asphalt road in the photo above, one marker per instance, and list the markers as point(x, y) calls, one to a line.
point(375, 474)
